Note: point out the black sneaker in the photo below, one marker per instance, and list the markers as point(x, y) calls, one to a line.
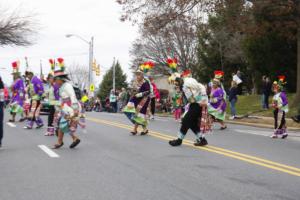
point(295, 118)
point(39, 126)
point(176, 142)
point(201, 142)
point(74, 144)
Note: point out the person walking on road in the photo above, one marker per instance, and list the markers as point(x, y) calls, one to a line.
point(1, 109)
point(233, 92)
point(155, 97)
point(195, 94)
point(280, 105)
point(69, 108)
point(53, 97)
point(36, 91)
point(136, 109)
point(217, 103)
point(18, 94)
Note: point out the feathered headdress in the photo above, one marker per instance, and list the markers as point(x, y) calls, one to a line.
point(280, 83)
point(15, 65)
point(172, 63)
point(59, 69)
point(186, 73)
point(146, 66)
point(218, 74)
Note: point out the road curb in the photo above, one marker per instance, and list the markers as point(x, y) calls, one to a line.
point(258, 125)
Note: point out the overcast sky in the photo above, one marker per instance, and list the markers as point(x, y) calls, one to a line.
point(98, 18)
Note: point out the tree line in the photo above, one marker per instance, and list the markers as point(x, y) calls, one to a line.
point(257, 37)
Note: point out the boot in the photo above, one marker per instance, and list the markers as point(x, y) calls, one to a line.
point(176, 142)
point(39, 123)
point(50, 131)
point(29, 124)
point(201, 142)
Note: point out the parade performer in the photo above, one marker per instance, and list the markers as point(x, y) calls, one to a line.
point(217, 100)
point(18, 94)
point(280, 105)
point(1, 109)
point(177, 103)
point(155, 97)
point(36, 92)
point(137, 107)
point(70, 108)
point(195, 112)
point(53, 99)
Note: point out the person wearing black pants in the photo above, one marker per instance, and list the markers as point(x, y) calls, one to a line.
point(195, 93)
point(1, 110)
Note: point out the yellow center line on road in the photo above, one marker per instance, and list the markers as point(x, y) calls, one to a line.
point(228, 153)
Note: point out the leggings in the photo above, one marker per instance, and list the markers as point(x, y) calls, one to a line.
point(277, 116)
point(51, 116)
point(35, 107)
point(152, 106)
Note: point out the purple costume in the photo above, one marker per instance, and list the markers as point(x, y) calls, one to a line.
point(36, 90)
point(18, 94)
point(217, 104)
point(141, 102)
point(18, 91)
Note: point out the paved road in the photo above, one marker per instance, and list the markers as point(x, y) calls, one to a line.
point(239, 163)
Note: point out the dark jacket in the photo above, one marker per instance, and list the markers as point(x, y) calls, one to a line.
point(233, 92)
point(267, 88)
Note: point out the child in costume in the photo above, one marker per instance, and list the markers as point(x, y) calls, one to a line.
point(18, 94)
point(137, 107)
point(280, 105)
point(177, 103)
point(69, 109)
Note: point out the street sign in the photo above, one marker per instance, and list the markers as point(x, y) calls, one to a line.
point(92, 87)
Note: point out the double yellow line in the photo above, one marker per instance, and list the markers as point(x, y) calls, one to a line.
point(232, 154)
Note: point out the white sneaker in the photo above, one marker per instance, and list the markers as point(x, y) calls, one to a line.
point(232, 117)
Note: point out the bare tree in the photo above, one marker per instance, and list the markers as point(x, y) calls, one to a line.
point(16, 29)
point(78, 74)
point(178, 39)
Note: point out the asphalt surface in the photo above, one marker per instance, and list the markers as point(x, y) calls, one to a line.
point(240, 163)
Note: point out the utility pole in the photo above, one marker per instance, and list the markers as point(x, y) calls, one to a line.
point(114, 75)
point(91, 56)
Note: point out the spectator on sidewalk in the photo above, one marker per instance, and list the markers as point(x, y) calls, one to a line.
point(122, 99)
point(113, 101)
point(1, 110)
point(233, 92)
point(266, 92)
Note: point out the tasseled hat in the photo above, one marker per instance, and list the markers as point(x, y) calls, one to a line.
point(59, 68)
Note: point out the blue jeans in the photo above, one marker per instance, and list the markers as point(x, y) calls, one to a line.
point(232, 107)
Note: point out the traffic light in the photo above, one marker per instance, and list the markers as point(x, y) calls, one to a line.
point(94, 65)
point(98, 70)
